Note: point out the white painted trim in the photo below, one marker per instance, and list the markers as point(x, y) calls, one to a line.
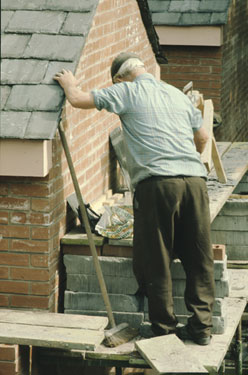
point(29, 158)
point(190, 35)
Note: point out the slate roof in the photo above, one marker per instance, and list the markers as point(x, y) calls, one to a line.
point(189, 12)
point(39, 38)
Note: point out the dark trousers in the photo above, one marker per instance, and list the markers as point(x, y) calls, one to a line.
point(171, 219)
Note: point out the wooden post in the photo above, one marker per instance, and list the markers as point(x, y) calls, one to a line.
point(217, 163)
point(208, 116)
point(238, 351)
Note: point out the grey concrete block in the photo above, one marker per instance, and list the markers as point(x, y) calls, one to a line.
point(54, 47)
point(184, 6)
point(111, 266)
point(14, 45)
point(55, 67)
point(14, 123)
point(48, 22)
point(19, 71)
point(235, 207)
point(77, 23)
point(35, 98)
point(94, 301)
point(42, 125)
point(230, 237)
point(5, 18)
point(72, 5)
point(237, 252)
point(177, 271)
point(133, 319)
point(232, 223)
point(219, 323)
point(180, 308)
point(222, 288)
point(89, 283)
point(5, 92)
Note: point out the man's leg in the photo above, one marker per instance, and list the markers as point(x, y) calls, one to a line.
point(197, 257)
point(155, 205)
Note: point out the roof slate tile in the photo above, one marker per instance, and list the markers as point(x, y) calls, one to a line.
point(165, 18)
point(35, 98)
point(54, 47)
point(23, 71)
point(213, 5)
point(13, 124)
point(189, 19)
point(76, 23)
point(71, 5)
point(218, 18)
point(14, 45)
point(5, 91)
point(57, 66)
point(158, 6)
point(184, 6)
point(36, 22)
point(5, 18)
point(42, 125)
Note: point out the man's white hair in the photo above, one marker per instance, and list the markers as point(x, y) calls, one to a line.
point(127, 67)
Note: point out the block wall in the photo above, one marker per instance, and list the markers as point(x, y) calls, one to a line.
point(33, 210)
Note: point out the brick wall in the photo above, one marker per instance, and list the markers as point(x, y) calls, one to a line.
point(32, 210)
point(220, 73)
point(200, 65)
point(234, 90)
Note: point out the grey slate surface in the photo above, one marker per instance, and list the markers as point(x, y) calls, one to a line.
point(39, 38)
point(189, 12)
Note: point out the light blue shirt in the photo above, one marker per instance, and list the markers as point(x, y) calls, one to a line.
point(158, 122)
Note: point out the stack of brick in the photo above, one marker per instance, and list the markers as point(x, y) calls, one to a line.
point(230, 226)
point(82, 295)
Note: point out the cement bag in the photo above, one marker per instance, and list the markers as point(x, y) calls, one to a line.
point(116, 222)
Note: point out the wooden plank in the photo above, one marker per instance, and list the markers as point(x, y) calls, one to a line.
point(208, 116)
point(235, 162)
point(212, 355)
point(56, 337)
point(218, 163)
point(47, 319)
point(239, 283)
point(168, 354)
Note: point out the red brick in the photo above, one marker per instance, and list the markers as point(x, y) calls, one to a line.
point(30, 302)
point(40, 204)
point(4, 217)
point(4, 244)
point(7, 352)
point(14, 287)
point(4, 272)
point(41, 289)
point(41, 233)
point(17, 231)
point(11, 203)
point(4, 301)
point(3, 189)
point(117, 251)
point(10, 259)
point(7, 368)
point(29, 274)
point(30, 246)
point(30, 190)
point(40, 260)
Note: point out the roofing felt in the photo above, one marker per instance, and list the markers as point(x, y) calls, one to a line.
point(189, 12)
point(39, 38)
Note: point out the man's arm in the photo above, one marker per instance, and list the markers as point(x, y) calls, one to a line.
point(200, 139)
point(76, 97)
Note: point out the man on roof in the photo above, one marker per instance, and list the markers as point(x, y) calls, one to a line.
point(164, 138)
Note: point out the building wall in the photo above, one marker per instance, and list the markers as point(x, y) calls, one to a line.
point(201, 65)
point(33, 210)
point(220, 73)
point(234, 90)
